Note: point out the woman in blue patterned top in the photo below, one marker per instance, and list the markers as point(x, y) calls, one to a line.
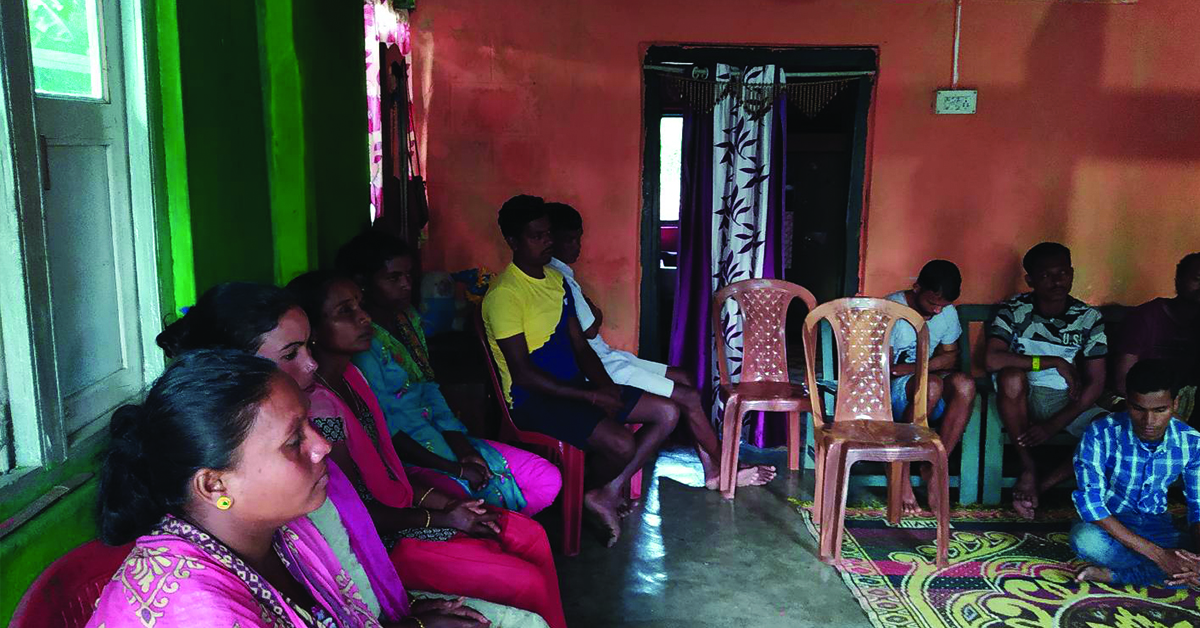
point(426, 432)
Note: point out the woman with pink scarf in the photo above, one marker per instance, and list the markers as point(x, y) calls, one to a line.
point(213, 476)
point(265, 320)
point(436, 541)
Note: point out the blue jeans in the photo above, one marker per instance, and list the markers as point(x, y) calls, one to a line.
point(1096, 546)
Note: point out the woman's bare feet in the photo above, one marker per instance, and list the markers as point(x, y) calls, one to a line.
point(747, 475)
point(603, 511)
point(1092, 573)
point(1025, 497)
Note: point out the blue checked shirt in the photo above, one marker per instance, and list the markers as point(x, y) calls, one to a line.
point(1119, 473)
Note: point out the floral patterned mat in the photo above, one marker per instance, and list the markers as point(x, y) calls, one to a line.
point(1004, 571)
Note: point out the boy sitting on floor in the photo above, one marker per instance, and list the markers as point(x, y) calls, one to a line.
point(553, 381)
point(1124, 465)
point(1046, 351)
point(624, 368)
point(950, 392)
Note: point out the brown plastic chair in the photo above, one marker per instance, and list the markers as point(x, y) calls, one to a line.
point(862, 426)
point(763, 384)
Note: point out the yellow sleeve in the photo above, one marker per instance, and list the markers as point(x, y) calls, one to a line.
point(503, 314)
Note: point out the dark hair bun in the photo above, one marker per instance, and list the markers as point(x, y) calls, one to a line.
point(195, 417)
point(174, 338)
point(232, 315)
point(127, 506)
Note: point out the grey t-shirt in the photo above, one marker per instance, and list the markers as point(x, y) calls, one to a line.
point(944, 329)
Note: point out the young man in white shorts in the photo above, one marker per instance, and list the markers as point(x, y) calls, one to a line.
point(629, 370)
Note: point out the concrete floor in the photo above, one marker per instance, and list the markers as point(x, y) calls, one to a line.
point(688, 558)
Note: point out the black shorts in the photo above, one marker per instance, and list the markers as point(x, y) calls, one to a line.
point(568, 420)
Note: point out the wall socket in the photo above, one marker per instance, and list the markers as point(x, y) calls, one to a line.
point(955, 101)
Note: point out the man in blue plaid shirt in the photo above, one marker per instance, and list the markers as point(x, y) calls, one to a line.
point(1123, 467)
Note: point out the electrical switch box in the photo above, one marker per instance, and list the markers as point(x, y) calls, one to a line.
point(955, 101)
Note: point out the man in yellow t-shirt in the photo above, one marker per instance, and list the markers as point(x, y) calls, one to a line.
point(553, 381)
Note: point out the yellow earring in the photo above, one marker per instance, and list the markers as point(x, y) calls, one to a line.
point(224, 502)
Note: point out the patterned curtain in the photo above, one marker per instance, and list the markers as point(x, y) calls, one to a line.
point(387, 26)
point(742, 169)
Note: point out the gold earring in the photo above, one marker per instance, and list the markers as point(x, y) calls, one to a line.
point(224, 502)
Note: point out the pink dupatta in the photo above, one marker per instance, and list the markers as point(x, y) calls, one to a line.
point(367, 546)
point(179, 576)
point(370, 461)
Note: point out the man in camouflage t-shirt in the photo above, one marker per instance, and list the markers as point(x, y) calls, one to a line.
point(1046, 353)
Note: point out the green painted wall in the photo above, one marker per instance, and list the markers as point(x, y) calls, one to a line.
point(260, 173)
point(335, 105)
point(226, 142)
point(176, 257)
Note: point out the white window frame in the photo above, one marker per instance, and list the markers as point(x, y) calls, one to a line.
point(39, 435)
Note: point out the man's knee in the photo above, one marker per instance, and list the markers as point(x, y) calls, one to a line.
point(1091, 543)
point(670, 414)
point(681, 376)
point(685, 395)
point(961, 385)
point(935, 390)
point(613, 441)
point(1013, 383)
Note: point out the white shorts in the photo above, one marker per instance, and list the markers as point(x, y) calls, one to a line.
point(627, 369)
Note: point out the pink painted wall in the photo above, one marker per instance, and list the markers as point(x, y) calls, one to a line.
point(1088, 131)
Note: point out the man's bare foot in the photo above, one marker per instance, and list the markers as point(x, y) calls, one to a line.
point(625, 507)
point(1092, 573)
point(748, 475)
point(908, 500)
point(756, 475)
point(600, 506)
point(1025, 495)
point(1025, 509)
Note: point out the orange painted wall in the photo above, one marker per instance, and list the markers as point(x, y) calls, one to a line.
point(1088, 131)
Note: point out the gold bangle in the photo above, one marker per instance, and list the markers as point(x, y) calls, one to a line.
point(428, 517)
point(422, 500)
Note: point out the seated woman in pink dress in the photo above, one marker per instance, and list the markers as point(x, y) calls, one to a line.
point(398, 369)
point(266, 320)
point(436, 541)
point(212, 476)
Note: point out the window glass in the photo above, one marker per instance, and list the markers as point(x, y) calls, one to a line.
point(68, 58)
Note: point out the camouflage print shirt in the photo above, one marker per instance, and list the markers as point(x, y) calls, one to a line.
point(1076, 333)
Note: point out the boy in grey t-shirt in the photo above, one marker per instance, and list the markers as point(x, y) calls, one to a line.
point(950, 392)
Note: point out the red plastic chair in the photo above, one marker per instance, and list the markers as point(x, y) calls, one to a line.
point(65, 595)
point(570, 460)
point(764, 384)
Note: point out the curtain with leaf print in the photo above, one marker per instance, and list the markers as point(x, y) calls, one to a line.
point(729, 221)
point(742, 168)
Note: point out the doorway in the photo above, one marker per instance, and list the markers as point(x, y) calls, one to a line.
point(825, 166)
